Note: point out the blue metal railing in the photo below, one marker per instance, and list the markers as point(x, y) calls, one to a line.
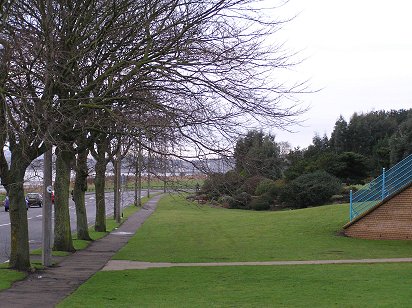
point(389, 182)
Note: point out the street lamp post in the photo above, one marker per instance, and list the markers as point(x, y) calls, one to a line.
point(118, 175)
point(47, 208)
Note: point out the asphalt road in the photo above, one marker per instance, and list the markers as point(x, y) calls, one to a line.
point(35, 220)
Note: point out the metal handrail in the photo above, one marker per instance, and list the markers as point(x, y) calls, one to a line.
point(388, 183)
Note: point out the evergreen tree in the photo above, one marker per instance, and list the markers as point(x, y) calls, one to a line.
point(319, 145)
point(258, 154)
point(339, 137)
point(401, 141)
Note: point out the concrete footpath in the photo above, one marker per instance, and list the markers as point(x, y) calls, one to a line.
point(120, 265)
point(48, 287)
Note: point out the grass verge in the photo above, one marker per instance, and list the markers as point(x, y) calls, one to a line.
point(9, 276)
point(111, 225)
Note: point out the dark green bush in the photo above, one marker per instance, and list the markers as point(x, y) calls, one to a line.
point(250, 184)
point(227, 201)
point(262, 202)
point(218, 184)
point(348, 188)
point(311, 189)
point(242, 201)
point(338, 199)
point(264, 186)
point(272, 188)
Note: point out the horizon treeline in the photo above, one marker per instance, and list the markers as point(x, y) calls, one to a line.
point(378, 139)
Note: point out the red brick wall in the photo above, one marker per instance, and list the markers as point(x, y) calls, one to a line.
point(390, 221)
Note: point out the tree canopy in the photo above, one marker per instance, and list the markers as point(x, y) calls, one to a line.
point(258, 154)
point(358, 149)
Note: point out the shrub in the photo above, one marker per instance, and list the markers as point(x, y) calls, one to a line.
point(347, 189)
point(338, 199)
point(264, 186)
point(250, 184)
point(262, 202)
point(227, 201)
point(242, 201)
point(218, 184)
point(272, 188)
point(311, 189)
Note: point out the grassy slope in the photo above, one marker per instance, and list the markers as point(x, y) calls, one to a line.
point(180, 231)
point(186, 232)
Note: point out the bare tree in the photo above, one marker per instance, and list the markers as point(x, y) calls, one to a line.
point(18, 133)
point(206, 65)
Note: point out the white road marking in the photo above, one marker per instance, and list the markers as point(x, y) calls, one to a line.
point(5, 225)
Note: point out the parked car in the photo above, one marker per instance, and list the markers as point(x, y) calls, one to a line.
point(34, 199)
point(6, 204)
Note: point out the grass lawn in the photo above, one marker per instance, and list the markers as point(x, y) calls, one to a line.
point(7, 277)
point(180, 231)
point(377, 285)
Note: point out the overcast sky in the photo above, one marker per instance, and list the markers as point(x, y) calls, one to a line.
point(359, 52)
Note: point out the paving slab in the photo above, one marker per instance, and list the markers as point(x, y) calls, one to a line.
point(48, 287)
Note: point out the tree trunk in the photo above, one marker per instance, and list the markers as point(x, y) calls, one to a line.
point(20, 251)
point(136, 182)
point(99, 183)
point(148, 173)
point(118, 204)
point(117, 193)
point(80, 188)
point(115, 188)
point(62, 232)
point(140, 165)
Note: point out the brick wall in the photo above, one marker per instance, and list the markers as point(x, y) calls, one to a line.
point(392, 220)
